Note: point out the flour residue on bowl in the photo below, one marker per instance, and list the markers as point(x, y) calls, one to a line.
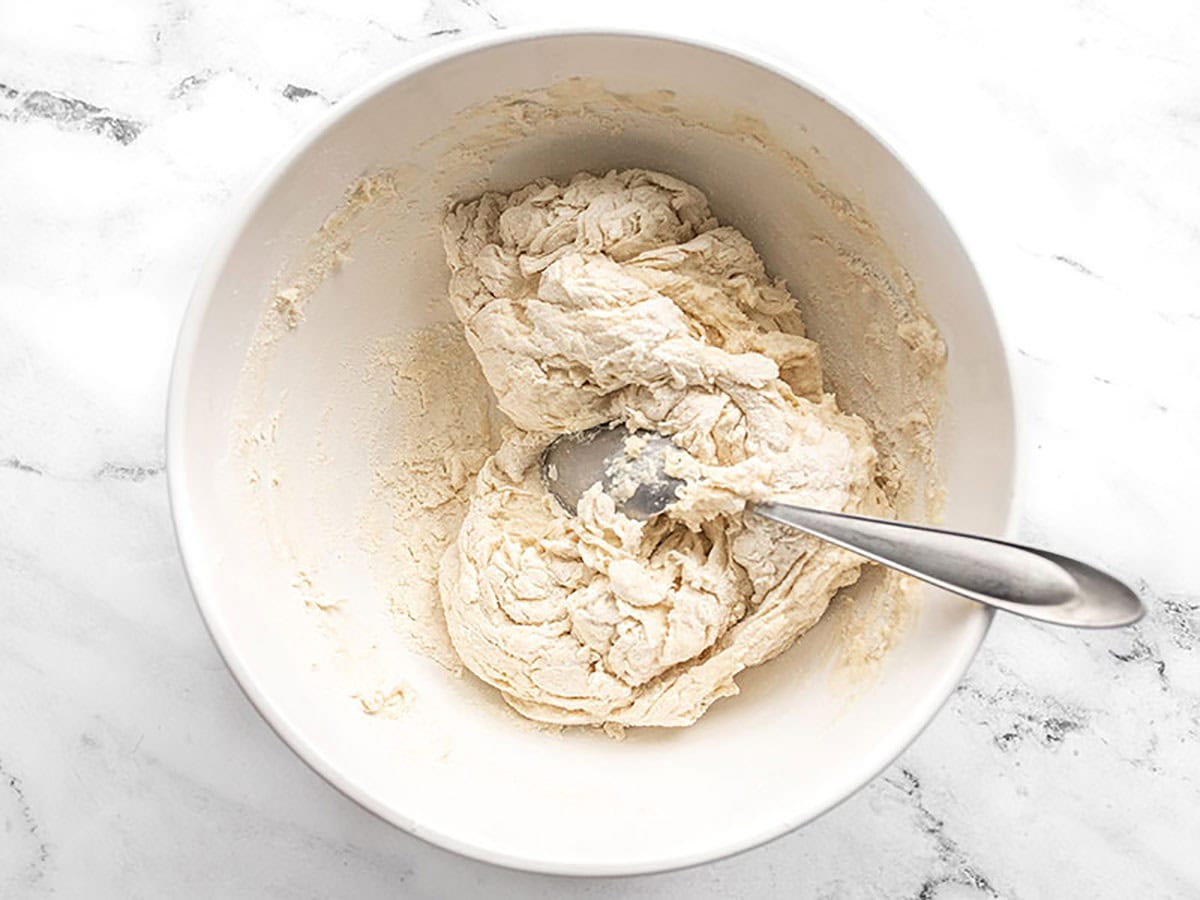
point(435, 432)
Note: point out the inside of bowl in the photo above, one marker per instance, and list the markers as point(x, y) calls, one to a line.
point(288, 405)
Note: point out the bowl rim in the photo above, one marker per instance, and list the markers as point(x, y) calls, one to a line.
point(230, 231)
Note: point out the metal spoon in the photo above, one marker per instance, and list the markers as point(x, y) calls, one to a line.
point(1033, 583)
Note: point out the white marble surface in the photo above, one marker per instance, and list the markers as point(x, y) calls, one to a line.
point(1066, 137)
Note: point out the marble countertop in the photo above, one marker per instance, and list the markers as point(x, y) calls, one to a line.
point(1064, 134)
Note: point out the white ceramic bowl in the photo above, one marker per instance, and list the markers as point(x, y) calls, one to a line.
point(794, 743)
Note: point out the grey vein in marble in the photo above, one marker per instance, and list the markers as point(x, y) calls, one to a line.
point(22, 830)
point(68, 113)
point(956, 869)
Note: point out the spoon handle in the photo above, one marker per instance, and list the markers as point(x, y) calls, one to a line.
point(1033, 583)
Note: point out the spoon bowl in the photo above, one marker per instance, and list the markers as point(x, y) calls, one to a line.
point(630, 467)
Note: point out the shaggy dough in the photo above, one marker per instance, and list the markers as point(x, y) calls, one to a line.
point(621, 298)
